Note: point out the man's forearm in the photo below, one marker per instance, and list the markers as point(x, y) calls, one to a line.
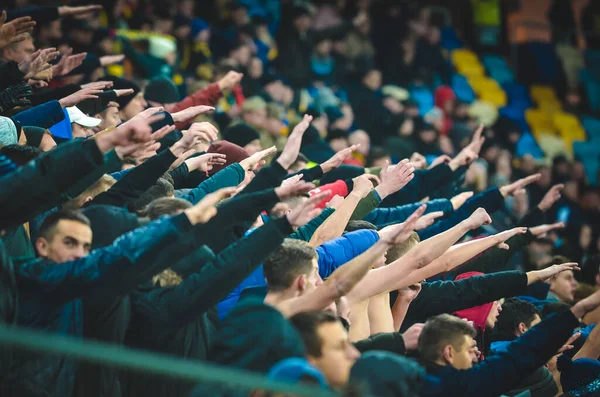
point(335, 225)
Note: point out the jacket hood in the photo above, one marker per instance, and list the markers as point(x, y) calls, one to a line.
point(442, 95)
point(477, 314)
point(580, 377)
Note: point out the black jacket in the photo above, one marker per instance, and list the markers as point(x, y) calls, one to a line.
point(182, 320)
point(503, 372)
point(51, 174)
point(439, 297)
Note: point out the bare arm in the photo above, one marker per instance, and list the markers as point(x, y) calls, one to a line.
point(591, 347)
point(459, 254)
point(386, 279)
point(346, 277)
point(380, 314)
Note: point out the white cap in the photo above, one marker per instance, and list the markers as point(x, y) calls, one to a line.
point(77, 116)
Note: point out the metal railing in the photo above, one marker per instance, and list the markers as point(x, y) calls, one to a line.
point(147, 362)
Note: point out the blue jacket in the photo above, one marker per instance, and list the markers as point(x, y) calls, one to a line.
point(51, 294)
point(503, 371)
point(331, 255)
point(382, 217)
point(45, 115)
point(229, 176)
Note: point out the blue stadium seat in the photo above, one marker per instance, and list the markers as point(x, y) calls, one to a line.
point(517, 94)
point(592, 127)
point(462, 88)
point(590, 157)
point(450, 40)
point(592, 88)
point(423, 96)
point(527, 145)
point(548, 64)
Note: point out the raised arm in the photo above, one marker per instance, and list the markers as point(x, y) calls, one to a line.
point(391, 277)
point(346, 277)
point(461, 253)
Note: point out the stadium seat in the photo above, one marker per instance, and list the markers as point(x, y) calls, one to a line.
point(592, 128)
point(450, 40)
point(462, 88)
point(423, 97)
point(590, 156)
point(517, 94)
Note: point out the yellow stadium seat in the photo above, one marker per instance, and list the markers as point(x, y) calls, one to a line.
point(461, 56)
point(470, 69)
point(495, 97)
point(541, 93)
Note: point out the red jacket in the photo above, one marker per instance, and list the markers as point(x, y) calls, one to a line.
point(337, 188)
point(208, 96)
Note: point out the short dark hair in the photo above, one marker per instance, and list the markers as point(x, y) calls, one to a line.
point(21, 154)
point(166, 206)
point(307, 324)
point(554, 307)
point(556, 260)
point(397, 251)
point(440, 331)
point(514, 312)
point(292, 259)
point(354, 225)
point(162, 188)
point(376, 153)
point(48, 226)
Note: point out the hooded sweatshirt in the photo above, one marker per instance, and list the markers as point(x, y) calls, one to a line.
point(477, 314)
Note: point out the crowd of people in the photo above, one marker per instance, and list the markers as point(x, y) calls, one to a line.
point(249, 183)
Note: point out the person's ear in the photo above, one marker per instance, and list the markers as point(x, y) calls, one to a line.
point(87, 199)
point(522, 328)
point(41, 246)
point(448, 354)
point(300, 283)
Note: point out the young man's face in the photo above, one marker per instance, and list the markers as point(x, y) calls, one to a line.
point(253, 147)
point(110, 118)
point(19, 51)
point(492, 318)
point(80, 131)
point(71, 240)
point(465, 355)
point(337, 354)
point(564, 286)
point(313, 280)
point(137, 105)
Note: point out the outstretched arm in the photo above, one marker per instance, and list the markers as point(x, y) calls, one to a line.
point(392, 277)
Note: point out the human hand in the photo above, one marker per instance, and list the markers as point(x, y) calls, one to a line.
point(396, 234)
point(125, 135)
point(517, 187)
point(394, 178)
point(206, 162)
point(478, 218)
point(79, 96)
point(292, 146)
point(190, 113)
point(99, 85)
point(124, 92)
point(428, 219)
point(458, 200)
point(569, 344)
point(206, 209)
point(255, 161)
point(477, 141)
point(146, 114)
point(551, 197)
point(541, 230)
point(337, 159)
point(505, 235)
point(293, 189)
point(308, 210)
point(111, 59)
point(552, 271)
point(205, 130)
point(15, 95)
point(81, 12)
point(465, 157)
point(408, 294)
point(230, 80)
point(12, 31)
point(38, 62)
point(444, 158)
point(411, 336)
point(335, 202)
point(362, 186)
point(68, 63)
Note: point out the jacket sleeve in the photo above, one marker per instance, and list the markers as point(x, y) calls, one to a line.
point(179, 176)
point(38, 14)
point(343, 249)
point(40, 183)
point(208, 96)
point(423, 184)
point(306, 232)
point(135, 182)
point(267, 178)
point(392, 342)
point(491, 200)
point(439, 297)
point(366, 206)
point(202, 290)
point(227, 177)
point(112, 163)
point(11, 75)
point(43, 116)
point(384, 216)
point(310, 174)
point(502, 372)
point(131, 259)
point(339, 188)
point(47, 94)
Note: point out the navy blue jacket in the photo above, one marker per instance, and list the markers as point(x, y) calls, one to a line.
point(44, 115)
point(503, 371)
point(50, 294)
point(382, 217)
